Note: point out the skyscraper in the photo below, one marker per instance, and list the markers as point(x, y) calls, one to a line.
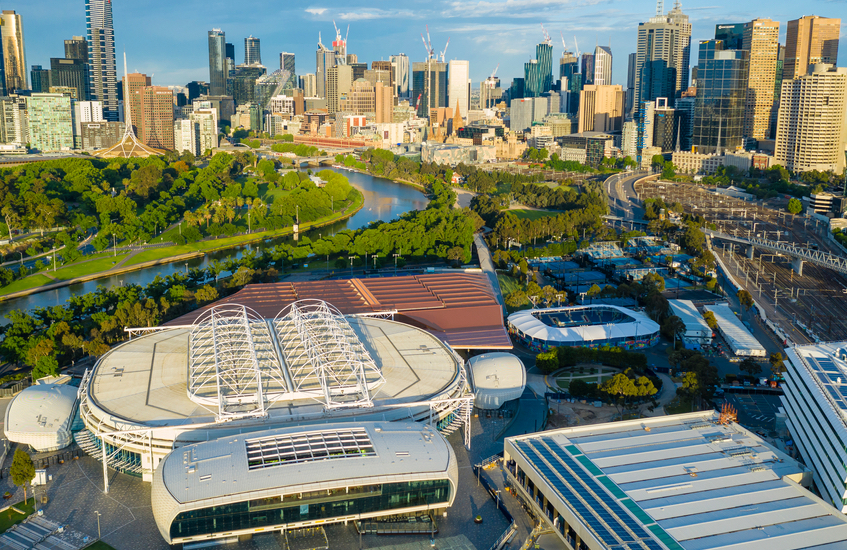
point(40, 79)
point(338, 83)
point(102, 70)
point(76, 48)
point(49, 121)
point(242, 84)
point(570, 81)
point(601, 108)
point(229, 57)
point(810, 40)
point(662, 58)
point(71, 73)
point(586, 68)
point(156, 127)
point(437, 73)
point(630, 82)
point(400, 63)
point(721, 94)
point(761, 39)
point(217, 62)
point(732, 35)
point(325, 60)
point(286, 63)
point(538, 72)
point(132, 84)
point(812, 129)
point(458, 87)
point(602, 66)
point(14, 60)
point(309, 84)
point(252, 51)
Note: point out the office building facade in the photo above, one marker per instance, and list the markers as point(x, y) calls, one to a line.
point(338, 83)
point(308, 83)
point(761, 40)
point(437, 74)
point(325, 60)
point(601, 108)
point(102, 69)
point(721, 96)
point(132, 85)
point(731, 34)
point(156, 124)
point(400, 64)
point(50, 122)
point(808, 41)
point(252, 51)
point(602, 66)
point(40, 79)
point(811, 129)
point(100, 135)
point(287, 63)
point(13, 120)
point(241, 85)
point(76, 48)
point(586, 68)
point(458, 89)
point(538, 72)
point(14, 57)
point(217, 62)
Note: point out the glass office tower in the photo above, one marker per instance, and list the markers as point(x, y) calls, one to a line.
point(721, 94)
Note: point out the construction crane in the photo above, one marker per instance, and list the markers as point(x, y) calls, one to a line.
point(576, 46)
point(490, 80)
point(418, 104)
point(445, 49)
point(564, 46)
point(547, 38)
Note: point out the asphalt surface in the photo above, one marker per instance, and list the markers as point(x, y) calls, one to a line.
point(623, 200)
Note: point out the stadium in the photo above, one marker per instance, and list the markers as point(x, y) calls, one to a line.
point(233, 371)
point(583, 326)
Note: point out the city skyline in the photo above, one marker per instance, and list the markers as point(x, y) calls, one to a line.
point(376, 34)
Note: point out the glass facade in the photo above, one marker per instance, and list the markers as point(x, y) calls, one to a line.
point(311, 506)
point(538, 74)
point(217, 65)
point(721, 95)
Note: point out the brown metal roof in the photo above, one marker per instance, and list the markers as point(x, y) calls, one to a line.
point(459, 308)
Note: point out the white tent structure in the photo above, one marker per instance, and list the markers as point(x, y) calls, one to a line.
point(742, 343)
point(41, 416)
point(697, 331)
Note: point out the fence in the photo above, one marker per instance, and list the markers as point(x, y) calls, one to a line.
point(507, 534)
point(13, 389)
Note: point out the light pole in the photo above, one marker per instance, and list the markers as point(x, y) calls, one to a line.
point(98, 523)
point(351, 264)
point(395, 263)
point(186, 268)
point(114, 245)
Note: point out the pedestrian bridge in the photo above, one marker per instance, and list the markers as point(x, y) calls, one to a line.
point(799, 254)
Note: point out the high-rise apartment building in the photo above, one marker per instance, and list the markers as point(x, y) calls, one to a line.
point(308, 83)
point(217, 62)
point(14, 58)
point(602, 66)
point(186, 136)
point(381, 71)
point(156, 124)
point(538, 72)
point(812, 131)
point(207, 128)
point(102, 70)
point(721, 95)
point(13, 120)
point(325, 60)
point(458, 87)
point(132, 84)
point(601, 108)
point(631, 63)
point(490, 92)
point(665, 126)
point(400, 64)
point(50, 122)
point(338, 83)
point(434, 95)
point(70, 73)
point(229, 58)
point(777, 89)
point(685, 109)
point(761, 40)
point(384, 102)
point(810, 40)
point(76, 48)
point(286, 63)
point(252, 51)
point(40, 79)
point(85, 112)
point(662, 58)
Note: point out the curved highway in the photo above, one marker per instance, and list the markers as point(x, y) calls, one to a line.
point(623, 201)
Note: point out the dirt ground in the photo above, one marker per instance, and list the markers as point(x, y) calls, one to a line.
point(566, 414)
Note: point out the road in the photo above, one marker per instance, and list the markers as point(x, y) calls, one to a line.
point(623, 200)
point(488, 267)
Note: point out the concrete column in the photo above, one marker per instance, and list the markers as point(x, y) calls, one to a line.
point(797, 265)
point(750, 251)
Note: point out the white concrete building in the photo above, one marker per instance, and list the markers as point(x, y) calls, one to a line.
point(458, 86)
point(41, 416)
point(498, 377)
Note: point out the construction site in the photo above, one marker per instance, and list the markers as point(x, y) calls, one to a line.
point(795, 271)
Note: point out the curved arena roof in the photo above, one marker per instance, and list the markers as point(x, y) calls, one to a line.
point(528, 323)
point(41, 416)
point(497, 377)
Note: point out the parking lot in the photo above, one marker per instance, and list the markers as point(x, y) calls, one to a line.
point(755, 411)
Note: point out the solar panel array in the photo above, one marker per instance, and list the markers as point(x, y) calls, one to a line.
point(598, 510)
point(832, 378)
point(277, 450)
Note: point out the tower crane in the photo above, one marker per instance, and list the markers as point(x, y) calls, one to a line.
point(564, 47)
point(490, 80)
point(576, 45)
point(445, 49)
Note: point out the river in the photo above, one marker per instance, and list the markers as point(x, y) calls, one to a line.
point(384, 200)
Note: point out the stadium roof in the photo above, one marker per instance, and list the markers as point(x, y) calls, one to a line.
point(41, 416)
point(684, 480)
point(498, 377)
point(459, 308)
point(526, 322)
point(736, 334)
point(290, 460)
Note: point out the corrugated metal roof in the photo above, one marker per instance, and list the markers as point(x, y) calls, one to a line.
point(736, 334)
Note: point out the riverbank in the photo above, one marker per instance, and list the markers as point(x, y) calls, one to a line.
point(171, 254)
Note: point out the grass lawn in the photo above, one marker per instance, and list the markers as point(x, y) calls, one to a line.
point(533, 214)
point(508, 284)
point(99, 545)
point(10, 517)
point(88, 268)
point(564, 384)
point(26, 283)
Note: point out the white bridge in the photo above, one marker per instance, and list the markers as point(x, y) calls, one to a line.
point(799, 254)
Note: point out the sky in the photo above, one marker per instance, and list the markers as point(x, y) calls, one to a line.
point(168, 39)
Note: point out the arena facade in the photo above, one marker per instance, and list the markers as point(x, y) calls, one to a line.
point(583, 326)
point(233, 371)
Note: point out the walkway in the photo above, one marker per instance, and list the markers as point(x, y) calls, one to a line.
point(488, 267)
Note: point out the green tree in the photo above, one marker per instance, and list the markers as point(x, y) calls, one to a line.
point(594, 291)
point(750, 366)
point(618, 388)
point(658, 161)
point(516, 298)
point(673, 328)
point(710, 319)
point(668, 171)
point(794, 206)
point(745, 299)
point(22, 470)
point(777, 362)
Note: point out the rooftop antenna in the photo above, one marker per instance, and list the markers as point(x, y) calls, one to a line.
point(660, 8)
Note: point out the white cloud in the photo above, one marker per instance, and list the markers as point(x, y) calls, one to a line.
point(316, 11)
